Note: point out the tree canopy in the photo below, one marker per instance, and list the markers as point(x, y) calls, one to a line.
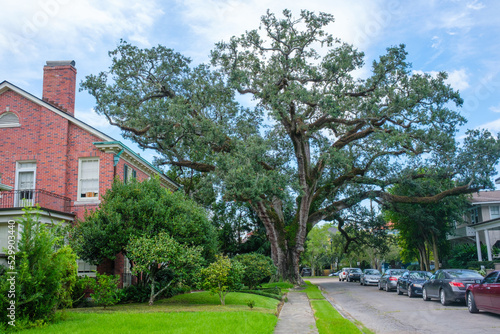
point(318, 140)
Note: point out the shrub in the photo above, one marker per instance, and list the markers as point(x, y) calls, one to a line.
point(105, 291)
point(223, 276)
point(46, 273)
point(258, 269)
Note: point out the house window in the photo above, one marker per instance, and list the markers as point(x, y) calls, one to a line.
point(88, 179)
point(25, 183)
point(474, 215)
point(494, 212)
point(9, 120)
point(128, 173)
point(86, 269)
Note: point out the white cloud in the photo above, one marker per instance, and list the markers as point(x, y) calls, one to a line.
point(458, 79)
point(359, 23)
point(493, 126)
point(475, 5)
point(495, 109)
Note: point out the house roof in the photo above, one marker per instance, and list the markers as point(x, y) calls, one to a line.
point(107, 140)
point(484, 197)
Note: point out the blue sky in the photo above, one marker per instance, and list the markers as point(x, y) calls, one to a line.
point(459, 37)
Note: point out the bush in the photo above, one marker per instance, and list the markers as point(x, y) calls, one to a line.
point(46, 273)
point(258, 269)
point(223, 276)
point(105, 291)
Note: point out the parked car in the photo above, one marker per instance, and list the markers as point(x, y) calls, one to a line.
point(353, 274)
point(485, 295)
point(343, 274)
point(411, 282)
point(334, 274)
point(306, 272)
point(449, 285)
point(370, 276)
point(389, 280)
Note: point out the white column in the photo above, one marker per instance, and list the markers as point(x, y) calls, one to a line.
point(478, 245)
point(488, 245)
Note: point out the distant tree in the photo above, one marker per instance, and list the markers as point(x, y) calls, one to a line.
point(423, 227)
point(154, 254)
point(318, 140)
point(138, 209)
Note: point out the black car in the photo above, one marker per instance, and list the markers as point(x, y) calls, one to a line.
point(411, 282)
point(449, 285)
point(306, 272)
point(353, 274)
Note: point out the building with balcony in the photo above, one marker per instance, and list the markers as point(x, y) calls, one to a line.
point(482, 223)
point(51, 159)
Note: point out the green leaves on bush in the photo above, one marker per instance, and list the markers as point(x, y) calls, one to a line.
point(258, 268)
point(223, 276)
point(105, 291)
point(46, 273)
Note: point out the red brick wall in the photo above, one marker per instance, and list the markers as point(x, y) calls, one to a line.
point(59, 84)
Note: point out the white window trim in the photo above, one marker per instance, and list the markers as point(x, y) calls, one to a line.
point(24, 169)
point(78, 195)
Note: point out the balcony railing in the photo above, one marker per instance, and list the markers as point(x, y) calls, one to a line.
point(29, 198)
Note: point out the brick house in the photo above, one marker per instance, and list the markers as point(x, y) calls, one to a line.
point(49, 157)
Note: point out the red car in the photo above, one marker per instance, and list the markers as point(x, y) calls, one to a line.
point(485, 295)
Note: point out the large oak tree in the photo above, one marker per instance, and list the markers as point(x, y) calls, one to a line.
point(317, 140)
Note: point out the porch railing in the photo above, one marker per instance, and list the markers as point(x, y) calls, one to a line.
point(29, 198)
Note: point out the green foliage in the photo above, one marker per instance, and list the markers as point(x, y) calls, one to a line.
point(318, 140)
point(141, 208)
point(464, 256)
point(477, 265)
point(46, 274)
point(152, 254)
point(258, 269)
point(105, 291)
point(223, 276)
point(251, 303)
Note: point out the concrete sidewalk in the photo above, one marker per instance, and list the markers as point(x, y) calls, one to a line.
point(296, 316)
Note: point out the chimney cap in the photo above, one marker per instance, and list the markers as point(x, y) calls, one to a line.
point(53, 63)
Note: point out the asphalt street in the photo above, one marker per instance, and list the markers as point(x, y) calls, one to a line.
point(386, 312)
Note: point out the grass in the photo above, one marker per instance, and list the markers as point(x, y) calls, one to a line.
point(157, 322)
point(328, 320)
point(284, 286)
point(197, 312)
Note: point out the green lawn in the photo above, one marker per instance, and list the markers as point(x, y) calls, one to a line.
point(197, 312)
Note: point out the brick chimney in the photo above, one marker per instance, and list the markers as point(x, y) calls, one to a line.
point(59, 85)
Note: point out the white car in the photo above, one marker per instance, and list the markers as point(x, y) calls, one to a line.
point(343, 274)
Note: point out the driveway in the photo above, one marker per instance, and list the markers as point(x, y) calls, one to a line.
point(386, 312)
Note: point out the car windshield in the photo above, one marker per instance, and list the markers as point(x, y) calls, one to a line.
point(355, 270)
point(420, 275)
point(464, 274)
point(372, 272)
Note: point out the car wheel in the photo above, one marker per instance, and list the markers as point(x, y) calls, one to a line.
point(360, 282)
point(387, 287)
point(379, 286)
point(410, 294)
point(442, 297)
point(398, 290)
point(424, 295)
point(340, 280)
point(471, 303)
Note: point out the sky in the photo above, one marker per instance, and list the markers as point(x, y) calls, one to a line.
point(459, 37)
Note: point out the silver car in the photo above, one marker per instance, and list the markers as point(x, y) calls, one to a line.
point(389, 280)
point(370, 276)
